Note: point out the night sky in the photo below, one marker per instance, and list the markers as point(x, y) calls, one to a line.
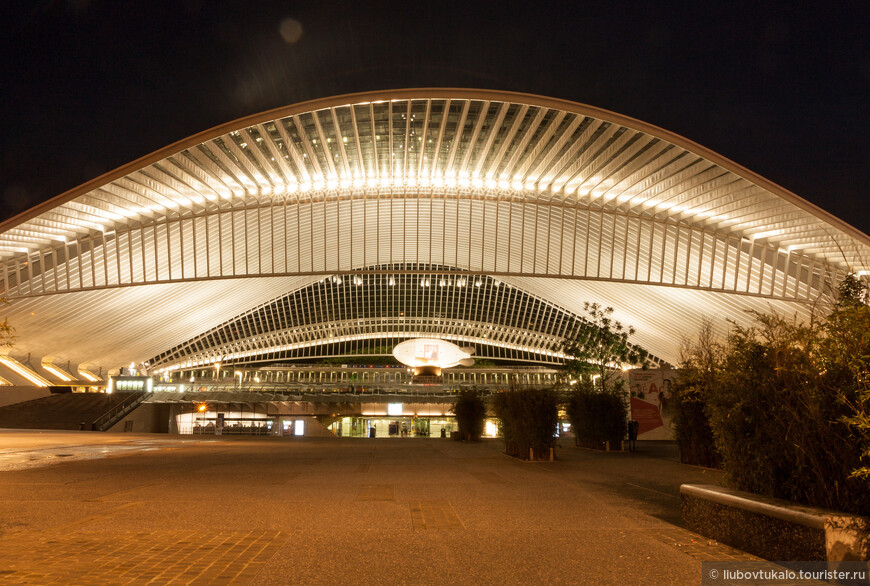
point(782, 89)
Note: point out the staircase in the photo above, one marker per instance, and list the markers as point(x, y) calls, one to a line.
point(119, 411)
point(68, 410)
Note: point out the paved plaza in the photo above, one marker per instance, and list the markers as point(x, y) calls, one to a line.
point(89, 508)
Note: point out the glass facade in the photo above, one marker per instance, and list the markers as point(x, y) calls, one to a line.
point(366, 314)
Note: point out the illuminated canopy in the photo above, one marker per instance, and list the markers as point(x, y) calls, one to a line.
point(563, 202)
point(432, 352)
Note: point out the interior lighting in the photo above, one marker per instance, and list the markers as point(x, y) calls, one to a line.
point(89, 376)
point(23, 371)
point(56, 372)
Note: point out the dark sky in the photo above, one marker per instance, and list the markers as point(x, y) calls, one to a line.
point(782, 89)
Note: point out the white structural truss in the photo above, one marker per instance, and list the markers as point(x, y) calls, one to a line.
point(565, 202)
point(368, 313)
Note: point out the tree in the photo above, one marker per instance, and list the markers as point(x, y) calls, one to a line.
point(528, 420)
point(700, 368)
point(7, 332)
point(788, 403)
point(598, 406)
point(845, 358)
point(470, 411)
point(597, 418)
point(599, 348)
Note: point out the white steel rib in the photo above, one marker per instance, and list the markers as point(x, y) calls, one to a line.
point(564, 201)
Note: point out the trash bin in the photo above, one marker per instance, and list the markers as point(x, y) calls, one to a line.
point(443, 432)
point(371, 432)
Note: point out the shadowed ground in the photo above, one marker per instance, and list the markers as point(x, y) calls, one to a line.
point(117, 509)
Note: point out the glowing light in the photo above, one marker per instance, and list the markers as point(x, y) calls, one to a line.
point(23, 371)
point(89, 376)
point(432, 352)
point(56, 372)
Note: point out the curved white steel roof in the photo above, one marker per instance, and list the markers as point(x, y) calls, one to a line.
point(566, 201)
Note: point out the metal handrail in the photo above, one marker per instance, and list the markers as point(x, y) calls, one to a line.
point(116, 413)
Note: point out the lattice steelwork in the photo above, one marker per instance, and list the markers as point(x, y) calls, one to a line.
point(369, 313)
point(515, 186)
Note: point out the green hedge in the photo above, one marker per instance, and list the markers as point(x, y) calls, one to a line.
point(692, 427)
point(779, 421)
point(597, 417)
point(699, 373)
point(528, 420)
point(788, 405)
point(470, 411)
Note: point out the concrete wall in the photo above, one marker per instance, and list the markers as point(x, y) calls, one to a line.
point(774, 529)
point(146, 418)
point(12, 395)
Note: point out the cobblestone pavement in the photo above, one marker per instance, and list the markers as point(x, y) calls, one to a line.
point(273, 511)
point(125, 557)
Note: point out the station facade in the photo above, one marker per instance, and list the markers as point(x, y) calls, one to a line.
point(310, 240)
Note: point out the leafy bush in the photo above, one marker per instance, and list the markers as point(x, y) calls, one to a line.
point(700, 365)
point(528, 420)
point(597, 416)
point(789, 406)
point(845, 357)
point(470, 411)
